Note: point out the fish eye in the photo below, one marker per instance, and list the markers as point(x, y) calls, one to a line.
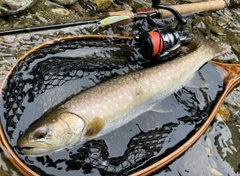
point(39, 135)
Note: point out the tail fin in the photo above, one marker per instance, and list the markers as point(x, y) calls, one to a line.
point(218, 48)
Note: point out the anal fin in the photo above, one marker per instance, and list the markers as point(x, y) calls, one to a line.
point(196, 81)
point(164, 106)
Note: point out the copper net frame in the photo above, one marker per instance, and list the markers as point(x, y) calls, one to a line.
point(229, 72)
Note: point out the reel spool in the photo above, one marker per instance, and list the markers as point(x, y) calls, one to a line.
point(163, 42)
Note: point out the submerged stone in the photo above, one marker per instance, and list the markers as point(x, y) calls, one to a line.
point(65, 2)
point(11, 7)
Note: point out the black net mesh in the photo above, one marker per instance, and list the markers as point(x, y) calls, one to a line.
point(58, 71)
point(48, 70)
point(94, 154)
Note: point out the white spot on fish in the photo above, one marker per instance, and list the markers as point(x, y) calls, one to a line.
point(83, 111)
point(153, 86)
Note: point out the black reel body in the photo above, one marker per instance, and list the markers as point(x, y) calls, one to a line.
point(163, 42)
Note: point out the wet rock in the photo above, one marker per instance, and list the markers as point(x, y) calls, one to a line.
point(61, 11)
point(191, 1)
point(6, 167)
point(217, 30)
point(223, 113)
point(10, 7)
point(214, 37)
point(236, 48)
point(204, 164)
point(209, 19)
point(122, 2)
point(227, 142)
point(234, 3)
point(234, 97)
point(94, 6)
point(65, 2)
point(102, 5)
point(223, 22)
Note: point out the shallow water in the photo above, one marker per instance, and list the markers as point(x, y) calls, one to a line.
point(214, 152)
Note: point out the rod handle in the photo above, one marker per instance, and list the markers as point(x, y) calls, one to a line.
point(182, 9)
point(195, 7)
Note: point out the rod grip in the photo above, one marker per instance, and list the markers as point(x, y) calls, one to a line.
point(182, 9)
point(195, 7)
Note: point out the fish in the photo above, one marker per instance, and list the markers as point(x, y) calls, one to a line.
point(111, 104)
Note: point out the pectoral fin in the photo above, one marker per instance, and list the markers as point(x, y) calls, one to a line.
point(94, 127)
point(164, 106)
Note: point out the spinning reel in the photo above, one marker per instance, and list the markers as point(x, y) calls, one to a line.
point(163, 42)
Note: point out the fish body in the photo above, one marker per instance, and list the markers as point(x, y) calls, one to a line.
point(111, 104)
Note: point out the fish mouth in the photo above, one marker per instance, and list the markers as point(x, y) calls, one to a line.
point(34, 151)
point(26, 149)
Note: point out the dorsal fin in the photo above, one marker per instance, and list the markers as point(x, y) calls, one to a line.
point(94, 127)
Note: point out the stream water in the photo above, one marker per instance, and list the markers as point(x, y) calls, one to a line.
point(215, 153)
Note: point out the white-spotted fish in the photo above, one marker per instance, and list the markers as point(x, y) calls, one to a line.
point(111, 104)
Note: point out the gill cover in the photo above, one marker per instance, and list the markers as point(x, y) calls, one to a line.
point(52, 132)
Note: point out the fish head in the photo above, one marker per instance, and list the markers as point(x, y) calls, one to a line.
point(54, 131)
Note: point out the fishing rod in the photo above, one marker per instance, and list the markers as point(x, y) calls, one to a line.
point(162, 42)
point(39, 28)
point(165, 13)
point(129, 16)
